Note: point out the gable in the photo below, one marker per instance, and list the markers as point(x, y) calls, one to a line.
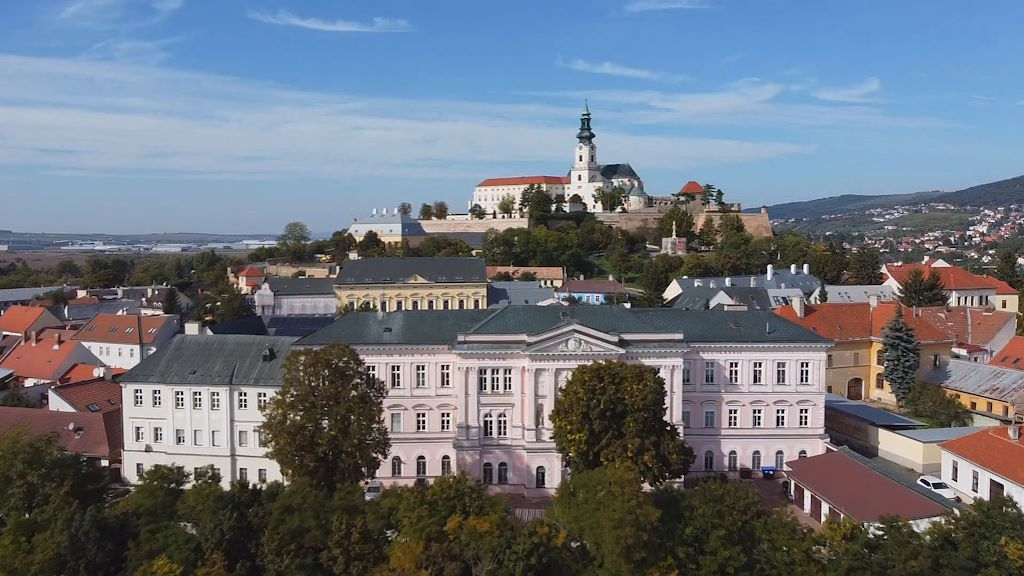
point(576, 341)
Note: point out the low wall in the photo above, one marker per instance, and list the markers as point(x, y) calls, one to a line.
point(453, 226)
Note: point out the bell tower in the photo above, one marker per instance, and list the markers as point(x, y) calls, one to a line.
point(585, 173)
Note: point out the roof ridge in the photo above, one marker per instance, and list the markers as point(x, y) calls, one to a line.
point(501, 307)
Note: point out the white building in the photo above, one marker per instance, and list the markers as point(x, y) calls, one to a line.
point(296, 297)
point(578, 189)
point(124, 340)
point(197, 403)
point(472, 390)
point(985, 464)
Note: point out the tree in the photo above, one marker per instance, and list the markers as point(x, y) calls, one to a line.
point(169, 302)
point(440, 210)
point(295, 234)
point(476, 211)
point(427, 211)
point(325, 425)
point(681, 219)
point(822, 293)
point(614, 413)
point(15, 397)
point(918, 291)
point(370, 245)
point(67, 269)
point(610, 199)
point(708, 195)
point(527, 196)
point(558, 203)
point(656, 276)
point(940, 409)
point(827, 261)
point(707, 236)
point(1006, 269)
point(507, 205)
point(902, 356)
point(539, 207)
point(528, 276)
point(436, 245)
point(405, 208)
point(719, 198)
point(866, 266)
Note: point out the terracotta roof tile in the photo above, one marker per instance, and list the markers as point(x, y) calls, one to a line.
point(95, 395)
point(90, 435)
point(692, 187)
point(1012, 355)
point(953, 277)
point(44, 360)
point(968, 325)
point(123, 328)
point(993, 450)
point(18, 319)
point(524, 181)
point(84, 300)
point(542, 272)
point(84, 372)
point(592, 286)
point(252, 272)
point(844, 321)
point(858, 491)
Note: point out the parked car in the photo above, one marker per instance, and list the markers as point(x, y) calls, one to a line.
point(372, 490)
point(937, 485)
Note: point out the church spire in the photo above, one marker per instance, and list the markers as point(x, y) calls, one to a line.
point(585, 135)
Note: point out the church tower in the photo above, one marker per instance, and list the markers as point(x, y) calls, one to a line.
point(585, 175)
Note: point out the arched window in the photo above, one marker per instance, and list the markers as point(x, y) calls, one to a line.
point(415, 304)
point(430, 304)
point(755, 460)
point(488, 473)
point(399, 305)
point(421, 466)
point(732, 460)
point(780, 460)
point(709, 460)
point(446, 466)
point(502, 473)
point(488, 426)
point(502, 425)
point(802, 454)
point(540, 479)
point(396, 466)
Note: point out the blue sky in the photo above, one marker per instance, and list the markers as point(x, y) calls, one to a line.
point(239, 116)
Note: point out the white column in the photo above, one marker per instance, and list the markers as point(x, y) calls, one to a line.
point(530, 409)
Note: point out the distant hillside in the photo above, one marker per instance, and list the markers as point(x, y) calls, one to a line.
point(999, 193)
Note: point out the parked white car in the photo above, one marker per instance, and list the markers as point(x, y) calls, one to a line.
point(937, 485)
point(372, 490)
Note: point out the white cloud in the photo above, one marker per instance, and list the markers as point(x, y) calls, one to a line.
point(147, 52)
point(857, 93)
point(652, 5)
point(613, 69)
point(118, 13)
point(286, 18)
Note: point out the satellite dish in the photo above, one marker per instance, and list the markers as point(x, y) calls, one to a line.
point(71, 426)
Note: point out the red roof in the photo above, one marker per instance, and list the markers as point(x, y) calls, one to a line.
point(524, 181)
point(592, 286)
point(85, 372)
point(967, 325)
point(858, 321)
point(692, 187)
point(123, 328)
point(953, 277)
point(96, 395)
point(252, 272)
point(91, 435)
point(1012, 355)
point(858, 491)
point(541, 272)
point(18, 319)
point(85, 300)
point(42, 360)
point(992, 450)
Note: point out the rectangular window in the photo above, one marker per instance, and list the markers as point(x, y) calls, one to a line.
point(197, 437)
point(446, 375)
point(421, 421)
point(828, 361)
point(495, 379)
point(197, 400)
point(214, 400)
point(396, 421)
point(709, 372)
point(261, 475)
point(805, 417)
point(243, 438)
point(179, 436)
point(243, 400)
point(257, 438)
point(879, 358)
point(734, 417)
point(243, 474)
point(482, 378)
point(261, 400)
point(396, 376)
point(974, 481)
point(179, 399)
point(856, 358)
point(780, 372)
point(371, 371)
point(506, 380)
point(158, 435)
point(131, 352)
point(502, 426)
point(780, 417)
point(955, 473)
point(446, 421)
point(686, 418)
point(805, 372)
point(757, 417)
point(138, 396)
point(988, 406)
point(421, 375)
point(214, 437)
point(488, 426)
point(758, 372)
point(140, 434)
point(734, 372)
point(686, 372)
point(139, 470)
point(974, 405)
point(709, 418)
point(158, 399)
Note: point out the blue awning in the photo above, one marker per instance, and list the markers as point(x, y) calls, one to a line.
point(767, 468)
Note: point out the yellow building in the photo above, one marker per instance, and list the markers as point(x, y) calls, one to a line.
point(990, 391)
point(856, 363)
point(389, 284)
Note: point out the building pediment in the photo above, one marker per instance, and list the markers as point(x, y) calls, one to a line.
point(574, 343)
point(416, 279)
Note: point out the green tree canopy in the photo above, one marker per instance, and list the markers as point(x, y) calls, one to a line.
point(1006, 269)
point(902, 356)
point(614, 413)
point(919, 291)
point(440, 210)
point(476, 211)
point(507, 205)
point(370, 245)
point(405, 208)
point(427, 211)
point(325, 425)
point(294, 233)
point(866, 266)
point(169, 302)
point(682, 219)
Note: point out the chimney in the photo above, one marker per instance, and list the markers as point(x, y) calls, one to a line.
point(792, 269)
point(373, 212)
point(873, 300)
point(728, 281)
point(57, 340)
point(798, 307)
point(1014, 433)
point(35, 338)
point(771, 272)
point(753, 281)
point(807, 268)
point(764, 209)
point(192, 328)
